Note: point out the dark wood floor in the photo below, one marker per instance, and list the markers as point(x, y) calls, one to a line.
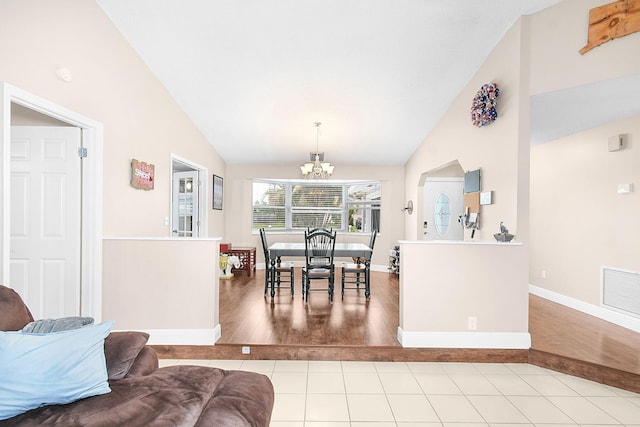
point(352, 329)
point(247, 317)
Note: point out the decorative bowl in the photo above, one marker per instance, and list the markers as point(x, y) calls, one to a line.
point(503, 237)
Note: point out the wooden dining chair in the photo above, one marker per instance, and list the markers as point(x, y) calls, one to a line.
point(279, 275)
point(355, 274)
point(319, 249)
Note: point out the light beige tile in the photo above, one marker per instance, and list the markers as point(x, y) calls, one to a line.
point(291, 366)
point(362, 382)
point(325, 382)
point(382, 424)
point(621, 392)
point(539, 410)
point(326, 424)
point(288, 407)
point(511, 385)
point(493, 368)
point(411, 408)
point(401, 424)
point(289, 382)
point(369, 407)
point(437, 384)
point(585, 387)
point(327, 407)
point(166, 362)
point(399, 383)
point(474, 384)
point(620, 408)
point(227, 364)
point(497, 409)
point(549, 385)
point(454, 409)
point(581, 410)
point(425, 367)
point(392, 367)
point(525, 368)
point(325, 366)
point(356, 366)
point(289, 424)
point(459, 368)
point(261, 366)
point(466, 425)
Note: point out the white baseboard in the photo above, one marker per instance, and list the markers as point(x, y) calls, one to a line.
point(603, 313)
point(494, 340)
point(183, 336)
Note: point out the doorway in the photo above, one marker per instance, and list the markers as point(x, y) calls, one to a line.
point(188, 196)
point(90, 255)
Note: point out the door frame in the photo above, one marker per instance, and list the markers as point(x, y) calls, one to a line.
point(92, 196)
point(203, 176)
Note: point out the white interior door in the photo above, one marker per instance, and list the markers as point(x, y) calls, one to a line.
point(45, 214)
point(443, 202)
point(186, 196)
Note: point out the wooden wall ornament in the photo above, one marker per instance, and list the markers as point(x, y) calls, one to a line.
point(611, 21)
point(142, 175)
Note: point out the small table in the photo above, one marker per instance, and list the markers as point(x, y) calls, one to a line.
point(247, 257)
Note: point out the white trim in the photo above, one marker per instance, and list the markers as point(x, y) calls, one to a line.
point(603, 313)
point(183, 336)
point(493, 340)
point(92, 196)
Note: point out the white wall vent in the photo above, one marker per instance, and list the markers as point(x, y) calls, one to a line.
point(621, 290)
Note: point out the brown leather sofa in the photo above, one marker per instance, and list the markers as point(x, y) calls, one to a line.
point(143, 394)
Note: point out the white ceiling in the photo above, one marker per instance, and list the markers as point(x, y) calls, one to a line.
point(254, 75)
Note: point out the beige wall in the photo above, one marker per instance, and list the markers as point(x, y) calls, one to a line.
point(483, 280)
point(559, 32)
point(442, 285)
point(168, 284)
point(578, 221)
point(113, 86)
point(499, 149)
point(110, 84)
point(238, 204)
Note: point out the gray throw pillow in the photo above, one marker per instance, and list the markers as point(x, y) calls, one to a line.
point(45, 326)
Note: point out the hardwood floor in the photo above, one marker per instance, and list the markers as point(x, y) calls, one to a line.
point(564, 340)
point(247, 317)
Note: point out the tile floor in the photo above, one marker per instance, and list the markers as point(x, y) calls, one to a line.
point(421, 394)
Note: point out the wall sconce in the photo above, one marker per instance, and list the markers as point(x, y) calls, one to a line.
point(408, 208)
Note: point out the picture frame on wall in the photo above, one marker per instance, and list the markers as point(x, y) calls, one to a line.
point(218, 188)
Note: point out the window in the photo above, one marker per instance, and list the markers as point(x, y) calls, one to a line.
point(348, 206)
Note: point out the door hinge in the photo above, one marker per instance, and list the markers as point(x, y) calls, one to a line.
point(82, 152)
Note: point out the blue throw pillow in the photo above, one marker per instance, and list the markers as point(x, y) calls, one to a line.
point(49, 369)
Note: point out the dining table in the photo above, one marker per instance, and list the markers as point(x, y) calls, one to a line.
point(278, 250)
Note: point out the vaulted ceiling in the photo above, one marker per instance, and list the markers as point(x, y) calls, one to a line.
point(254, 75)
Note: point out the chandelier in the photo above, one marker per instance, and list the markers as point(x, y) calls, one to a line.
point(317, 168)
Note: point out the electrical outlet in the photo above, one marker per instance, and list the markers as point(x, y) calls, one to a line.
point(543, 274)
point(472, 323)
point(246, 349)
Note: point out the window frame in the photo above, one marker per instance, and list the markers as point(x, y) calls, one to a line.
point(372, 207)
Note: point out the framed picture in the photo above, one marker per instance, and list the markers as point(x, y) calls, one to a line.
point(217, 192)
